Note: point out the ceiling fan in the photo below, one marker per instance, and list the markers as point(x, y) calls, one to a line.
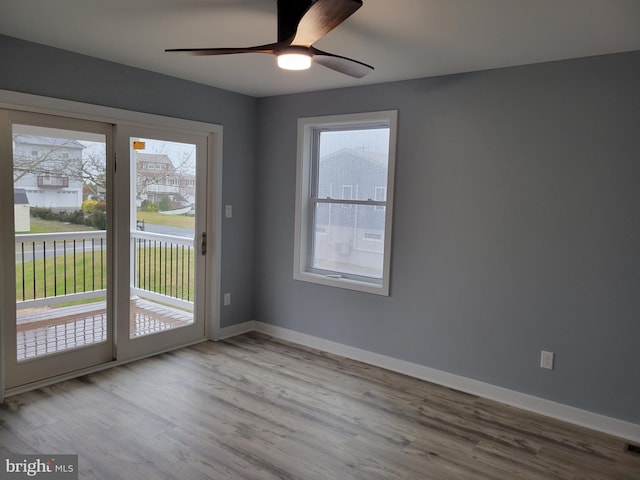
point(301, 23)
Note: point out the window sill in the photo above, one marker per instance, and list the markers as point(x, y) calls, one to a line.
point(346, 283)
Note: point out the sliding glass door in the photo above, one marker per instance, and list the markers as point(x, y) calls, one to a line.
point(108, 236)
point(61, 172)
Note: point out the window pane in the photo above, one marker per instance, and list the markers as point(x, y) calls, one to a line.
point(163, 288)
point(353, 164)
point(60, 205)
point(349, 240)
point(165, 183)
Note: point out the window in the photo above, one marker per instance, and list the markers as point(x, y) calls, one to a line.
point(372, 236)
point(53, 181)
point(344, 199)
point(347, 194)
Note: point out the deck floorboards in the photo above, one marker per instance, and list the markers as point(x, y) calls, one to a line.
point(45, 331)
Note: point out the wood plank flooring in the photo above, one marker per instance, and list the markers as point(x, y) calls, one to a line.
point(256, 408)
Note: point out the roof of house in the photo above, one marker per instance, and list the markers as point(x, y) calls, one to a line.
point(154, 158)
point(380, 159)
point(48, 141)
point(20, 197)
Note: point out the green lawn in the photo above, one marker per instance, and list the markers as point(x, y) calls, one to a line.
point(165, 271)
point(38, 225)
point(156, 218)
point(84, 273)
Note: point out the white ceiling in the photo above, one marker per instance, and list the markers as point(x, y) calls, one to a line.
point(402, 39)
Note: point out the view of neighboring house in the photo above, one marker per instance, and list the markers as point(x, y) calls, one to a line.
point(49, 171)
point(352, 234)
point(22, 211)
point(157, 178)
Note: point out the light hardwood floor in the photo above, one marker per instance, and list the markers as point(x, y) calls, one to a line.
point(255, 408)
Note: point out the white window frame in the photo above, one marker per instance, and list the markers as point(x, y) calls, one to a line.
point(304, 224)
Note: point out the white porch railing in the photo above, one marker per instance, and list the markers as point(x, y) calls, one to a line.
point(163, 268)
point(57, 268)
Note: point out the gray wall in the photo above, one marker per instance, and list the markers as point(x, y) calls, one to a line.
point(36, 69)
point(516, 229)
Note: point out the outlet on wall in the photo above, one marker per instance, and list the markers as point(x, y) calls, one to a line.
point(546, 360)
point(227, 299)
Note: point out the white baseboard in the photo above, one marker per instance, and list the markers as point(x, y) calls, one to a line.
point(239, 329)
point(576, 416)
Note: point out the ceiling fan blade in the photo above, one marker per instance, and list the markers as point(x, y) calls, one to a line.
point(322, 17)
point(269, 48)
point(340, 64)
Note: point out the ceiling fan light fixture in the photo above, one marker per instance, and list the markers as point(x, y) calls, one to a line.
point(294, 60)
point(300, 25)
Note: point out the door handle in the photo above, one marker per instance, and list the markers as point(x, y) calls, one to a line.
point(203, 244)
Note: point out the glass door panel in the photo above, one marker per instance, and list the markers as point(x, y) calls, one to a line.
point(166, 227)
point(61, 181)
point(164, 203)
